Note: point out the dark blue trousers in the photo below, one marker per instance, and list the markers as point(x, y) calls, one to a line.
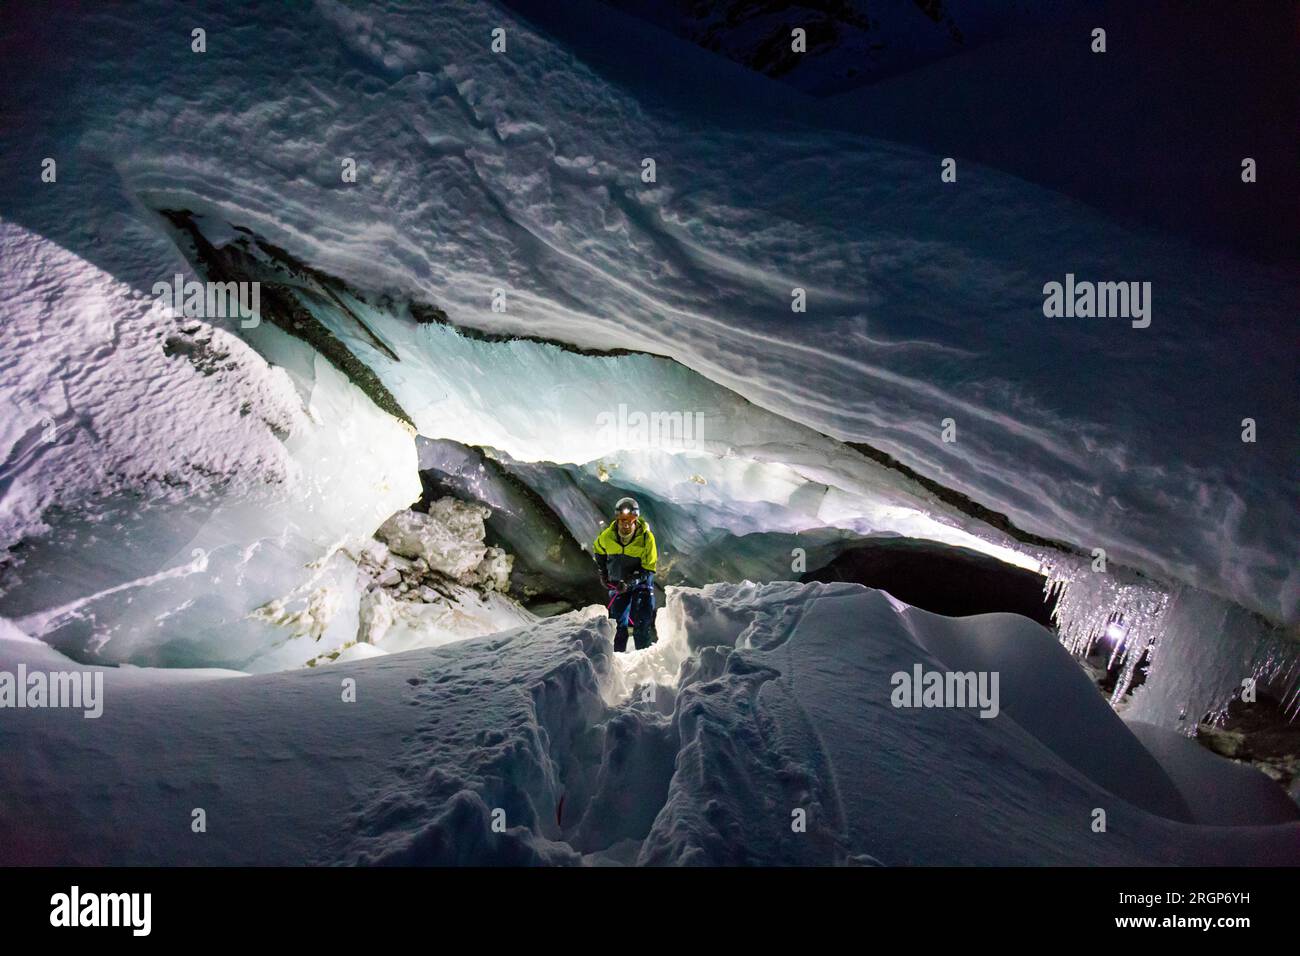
point(635, 607)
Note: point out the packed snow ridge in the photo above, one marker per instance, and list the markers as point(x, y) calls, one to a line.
point(764, 728)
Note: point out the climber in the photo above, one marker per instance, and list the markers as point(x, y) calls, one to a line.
point(626, 556)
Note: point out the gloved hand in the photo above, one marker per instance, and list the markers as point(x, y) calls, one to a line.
point(620, 586)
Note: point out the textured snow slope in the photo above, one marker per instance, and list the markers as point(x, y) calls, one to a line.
point(168, 478)
point(92, 399)
point(521, 171)
point(1198, 774)
point(759, 701)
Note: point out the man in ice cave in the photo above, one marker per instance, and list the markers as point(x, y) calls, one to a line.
point(626, 555)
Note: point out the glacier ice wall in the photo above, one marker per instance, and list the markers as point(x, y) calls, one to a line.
point(1206, 653)
point(1197, 650)
point(481, 171)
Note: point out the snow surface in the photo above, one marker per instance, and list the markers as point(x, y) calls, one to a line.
point(92, 400)
point(480, 171)
point(1198, 774)
point(766, 699)
point(167, 478)
point(186, 493)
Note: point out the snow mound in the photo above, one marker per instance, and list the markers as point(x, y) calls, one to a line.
point(165, 477)
point(95, 378)
point(1218, 792)
point(776, 740)
point(790, 713)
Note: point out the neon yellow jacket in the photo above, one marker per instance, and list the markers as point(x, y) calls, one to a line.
point(619, 562)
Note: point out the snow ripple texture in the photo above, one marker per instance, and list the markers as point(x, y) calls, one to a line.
point(522, 171)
